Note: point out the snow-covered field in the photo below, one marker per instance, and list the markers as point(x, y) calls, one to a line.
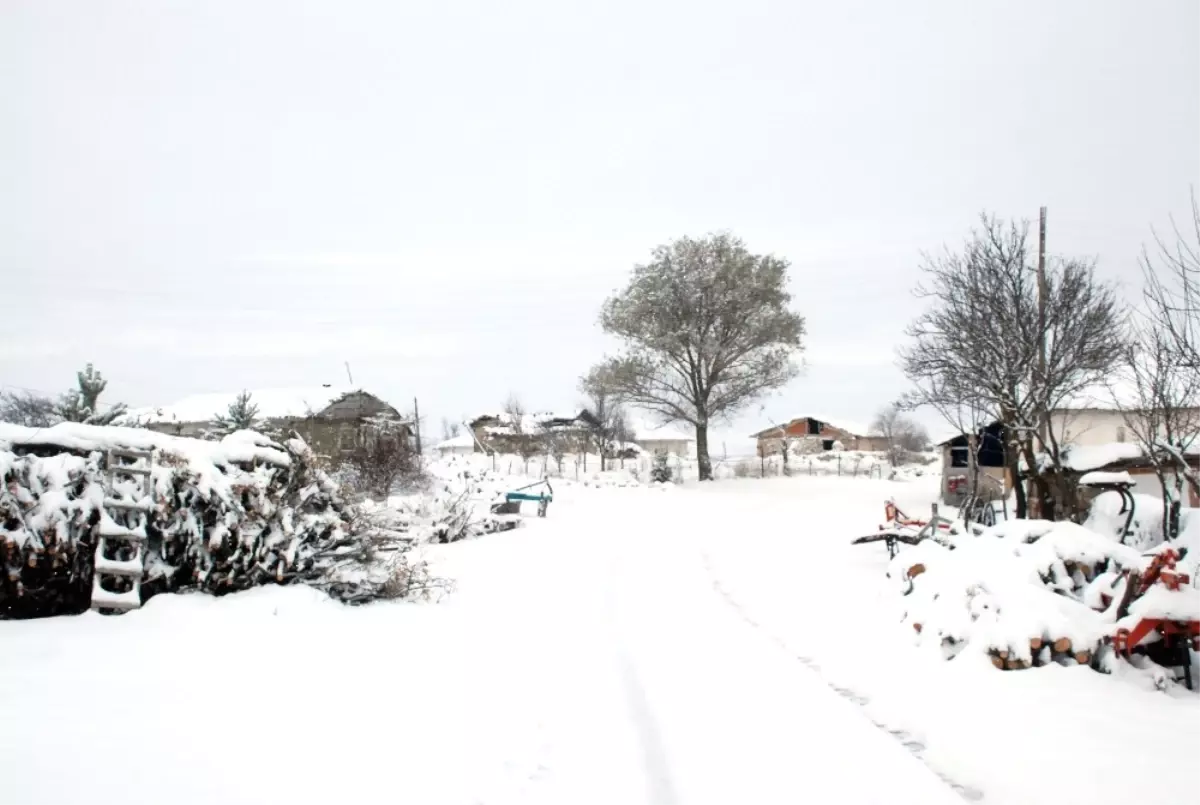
point(706, 644)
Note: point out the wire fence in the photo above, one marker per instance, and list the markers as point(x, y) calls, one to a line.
point(584, 467)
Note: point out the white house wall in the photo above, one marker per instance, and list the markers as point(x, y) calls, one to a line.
point(676, 448)
point(1091, 427)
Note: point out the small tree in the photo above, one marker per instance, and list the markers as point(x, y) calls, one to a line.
point(1165, 361)
point(29, 409)
point(449, 429)
point(622, 432)
point(706, 328)
point(524, 432)
point(902, 434)
point(611, 427)
point(383, 456)
point(1158, 398)
point(242, 414)
point(82, 404)
point(661, 471)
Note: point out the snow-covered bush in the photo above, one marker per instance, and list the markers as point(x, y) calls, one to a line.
point(661, 471)
point(225, 516)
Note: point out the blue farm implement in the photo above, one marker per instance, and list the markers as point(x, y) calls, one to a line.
point(512, 500)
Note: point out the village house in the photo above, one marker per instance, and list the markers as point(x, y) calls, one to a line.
point(995, 479)
point(670, 439)
point(1093, 439)
point(462, 444)
point(818, 435)
point(330, 419)
point(533, 433)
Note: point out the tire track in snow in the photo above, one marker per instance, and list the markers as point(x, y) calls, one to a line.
point(660, 788)
point(906, 739)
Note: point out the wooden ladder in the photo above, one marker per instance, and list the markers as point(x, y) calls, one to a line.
point(121, 534)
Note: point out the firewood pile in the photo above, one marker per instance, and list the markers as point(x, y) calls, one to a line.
point(1023, 594)
point(226, 516)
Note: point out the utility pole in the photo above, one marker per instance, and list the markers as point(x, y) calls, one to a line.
point(348, 375)
point(417, 423)
point(1043, 415)
point(1042, 291)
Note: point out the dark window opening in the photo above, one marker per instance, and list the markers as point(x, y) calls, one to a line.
point(814, 428)
point(827, 444)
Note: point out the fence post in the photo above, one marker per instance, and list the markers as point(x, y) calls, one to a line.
point(839, 465)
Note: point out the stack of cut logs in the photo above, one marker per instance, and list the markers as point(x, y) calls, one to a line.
point(1043, 649)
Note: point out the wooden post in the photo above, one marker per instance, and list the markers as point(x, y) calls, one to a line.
point(1043, 415)
point(417, 423)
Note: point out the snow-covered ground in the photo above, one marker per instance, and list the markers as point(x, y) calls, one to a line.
point(706, 644)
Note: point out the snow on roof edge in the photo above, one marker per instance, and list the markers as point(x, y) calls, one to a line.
point(239, 447)
point(272, 403)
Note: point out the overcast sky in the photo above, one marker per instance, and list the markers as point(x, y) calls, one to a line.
point(204, 196)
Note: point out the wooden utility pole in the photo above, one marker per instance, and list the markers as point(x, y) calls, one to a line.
point(417, 423)
point(1042, 414)
point(1042, 291)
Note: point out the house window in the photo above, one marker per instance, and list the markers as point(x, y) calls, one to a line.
point(1120, 433)
point(827, 444)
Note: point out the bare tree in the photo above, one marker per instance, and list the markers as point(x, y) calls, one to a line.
point(1158, 394)
point(526, 436)
point(29, 409)
point(1172, 291)
point(383, 456)
point(977, 345)
point(903, 434)
point(449, 429)
point(611, 426)
point(706, 328)
point(1163, 364)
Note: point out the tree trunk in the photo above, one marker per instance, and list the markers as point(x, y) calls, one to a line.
point(702, 460)
point(1014, 469)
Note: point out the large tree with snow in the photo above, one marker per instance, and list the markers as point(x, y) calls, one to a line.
point(706, 328)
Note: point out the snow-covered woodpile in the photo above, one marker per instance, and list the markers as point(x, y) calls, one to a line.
point(224, 516)
point(1028, 593)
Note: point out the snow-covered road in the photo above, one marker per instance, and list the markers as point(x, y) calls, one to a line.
point(586, 658)
point(711, 645)
point(686, 702)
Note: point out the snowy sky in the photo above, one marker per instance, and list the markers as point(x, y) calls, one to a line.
point(202, 196)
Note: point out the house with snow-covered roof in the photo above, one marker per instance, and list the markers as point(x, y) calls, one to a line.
point(821, 434)
point(461, 445)
point(674, 440)
point(330, 418)
point(502, 432)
